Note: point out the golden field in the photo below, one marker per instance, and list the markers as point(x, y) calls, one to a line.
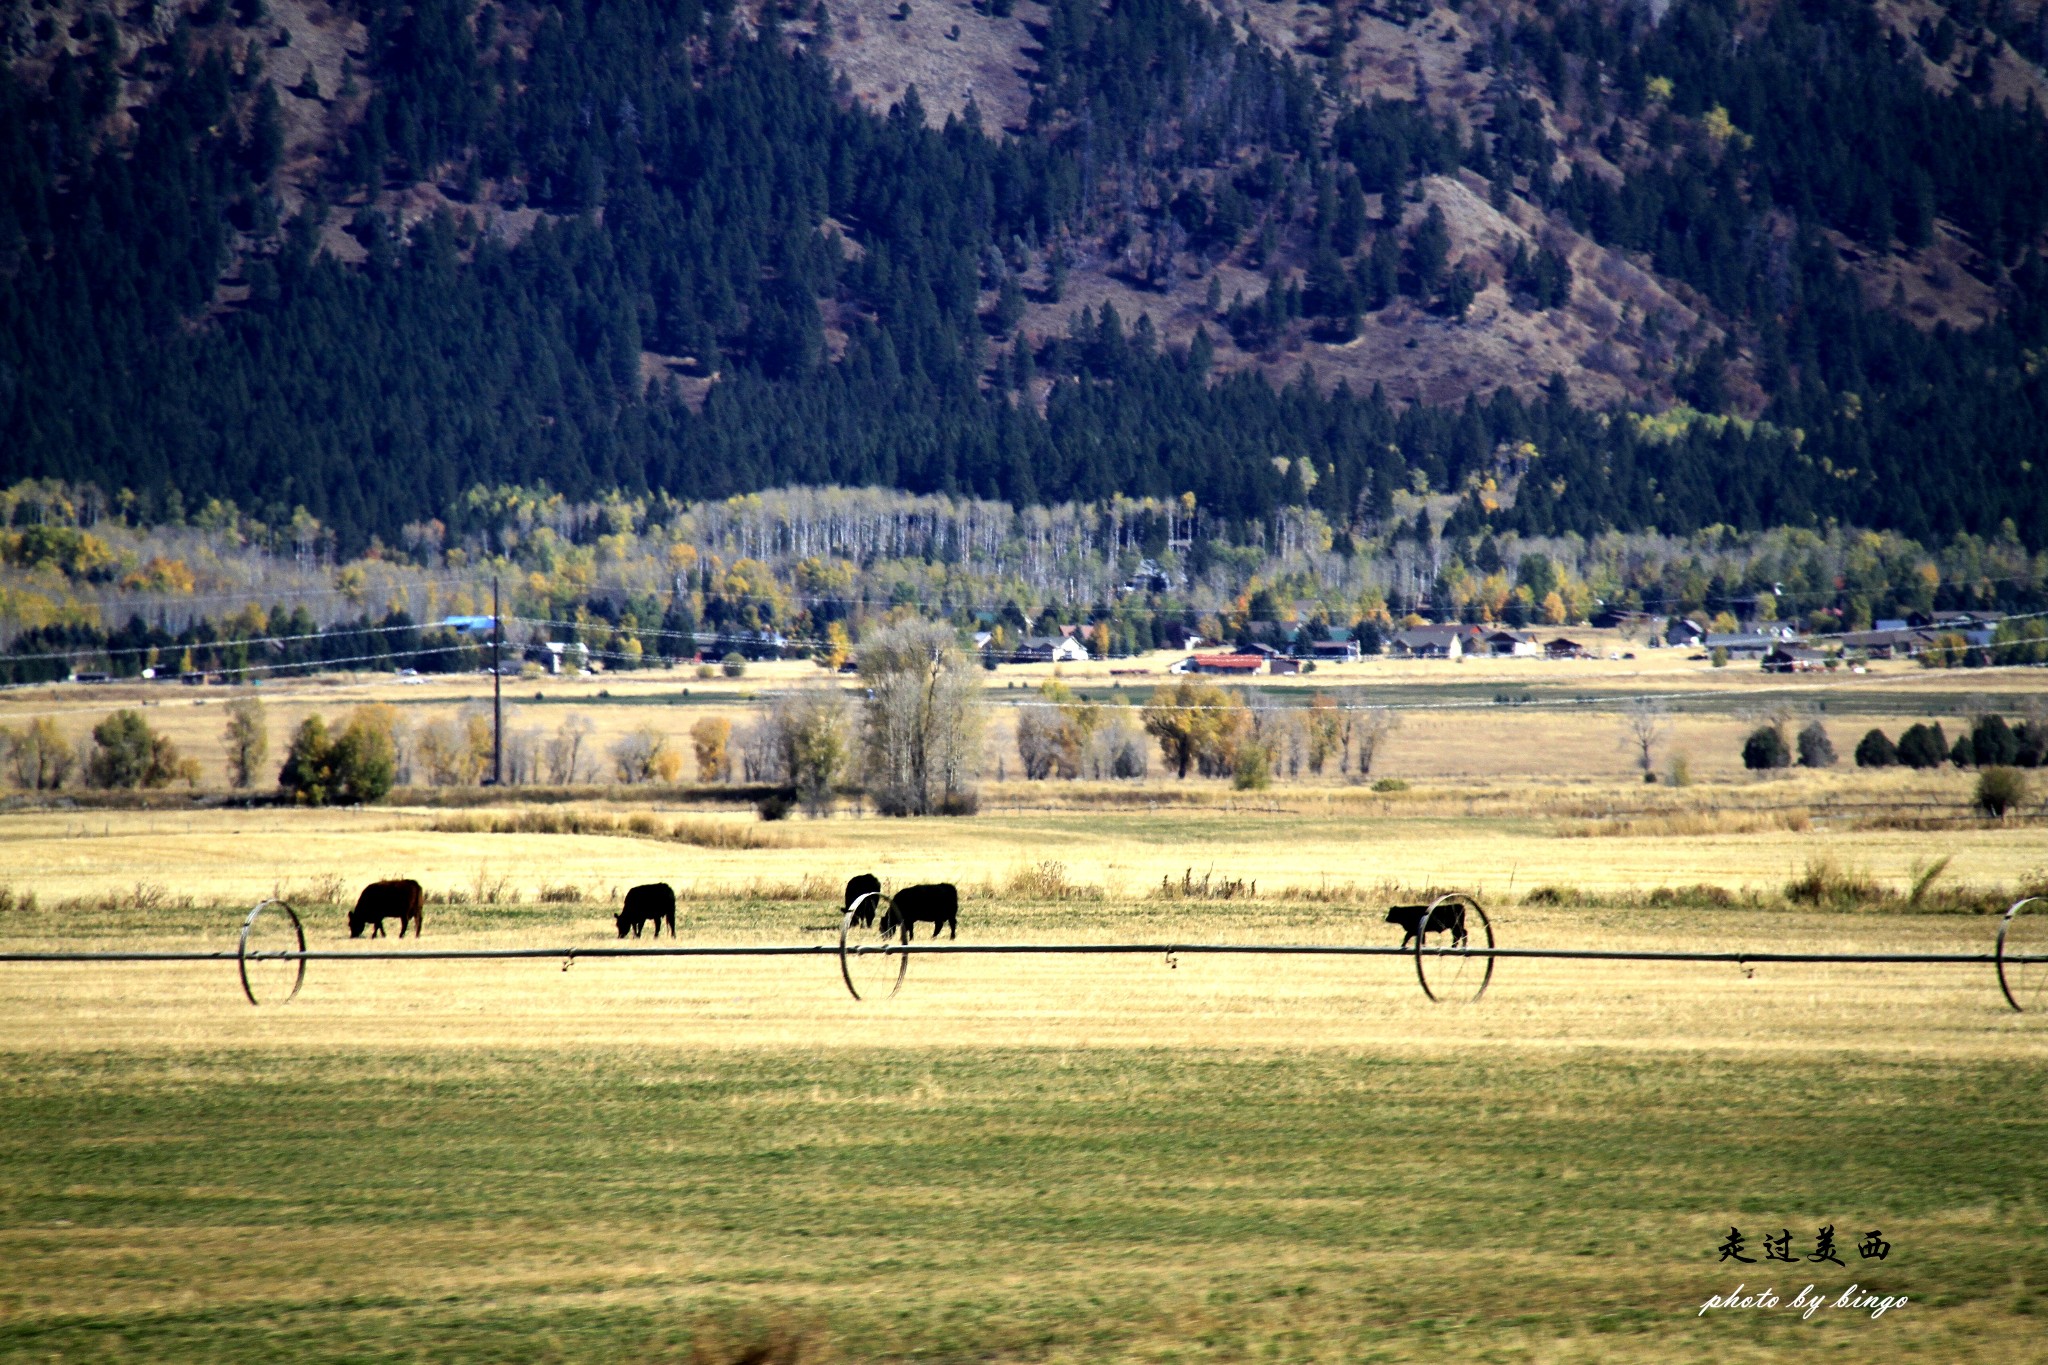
point(1037, 1158)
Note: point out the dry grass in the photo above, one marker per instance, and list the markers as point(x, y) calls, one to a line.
point(699, 833)
point(1689, 823)
point(1498, 838)
point(1208, 887)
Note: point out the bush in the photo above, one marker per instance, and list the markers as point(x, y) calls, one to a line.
point(1827, 884)
point(1551, 895)
point(1816, 750)
point(347, 769)
point(2000, 790)
point(1390, 784)
point(1963, 753)
point(1923, 746)
point(1765, 749)
point(733, 665)
point(40, 756)
point(1698, 896)
point(127, 753)
point(774, 806)
point(1680, 773)
point(1875, 750)
point(1252, 770)
point(1994, 743)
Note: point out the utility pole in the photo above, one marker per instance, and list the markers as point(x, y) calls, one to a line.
point(497, 692)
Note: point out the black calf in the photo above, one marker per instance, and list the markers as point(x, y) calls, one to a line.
point(866, 885)
point(1449, 916)
point(653, 904)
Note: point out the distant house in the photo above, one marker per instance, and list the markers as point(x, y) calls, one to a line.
point(982, 637)
point(1341, 650)
point(1748, 645)
point(1064, 649)
point(1178, 635)
point(1234, 665)
point(1514, 644)
point(1794, 659)
point(1561, 648)
point(1958, 620)
point(1684, 631)
point(1436, 642)
point(467, 625)
point(1889, 640)
point(575, 653)
point(1280, 663)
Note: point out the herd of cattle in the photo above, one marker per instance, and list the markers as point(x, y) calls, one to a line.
point(933, 903)
point(936, 904)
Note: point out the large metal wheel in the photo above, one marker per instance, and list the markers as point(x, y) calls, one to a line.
point(1443, 965)
point(2023, 959)
point(872, 978)
point(271, 956)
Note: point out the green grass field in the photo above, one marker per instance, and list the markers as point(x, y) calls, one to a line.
point(638, 1202)
point(1016, 1159)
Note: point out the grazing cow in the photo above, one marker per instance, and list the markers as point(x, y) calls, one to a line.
point(1449, 916)
point(654, 903)
point(380, 901)
point(935, 904)
point(866, 885)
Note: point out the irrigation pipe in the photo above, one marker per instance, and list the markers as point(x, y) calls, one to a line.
point(2022, 975)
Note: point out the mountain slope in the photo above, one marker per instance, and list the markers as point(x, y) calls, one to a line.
point(673, 247)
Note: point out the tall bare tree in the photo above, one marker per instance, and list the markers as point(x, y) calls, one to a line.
point(810, 731)
point(248, 740)
point(1645, 723)
point(565, 750)
point(1370, 729)
point(923, 720)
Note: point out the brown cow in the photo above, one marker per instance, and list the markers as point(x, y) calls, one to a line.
point(385, 900)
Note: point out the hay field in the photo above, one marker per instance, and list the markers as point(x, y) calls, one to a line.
point(1015, 1159)
point(1564, 727)
point(1500, 838)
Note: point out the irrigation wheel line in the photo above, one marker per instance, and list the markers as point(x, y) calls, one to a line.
point(242, 953)
point(1450, 984)
point(2022, 969)
point(2016, 984)
point(861, 950)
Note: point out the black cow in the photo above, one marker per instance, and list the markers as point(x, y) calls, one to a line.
point(654, 903)
point(400, 900)
point(863, 910)
point(935, 903)
point(1449, 916)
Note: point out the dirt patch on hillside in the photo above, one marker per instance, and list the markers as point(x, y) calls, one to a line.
point(1942, 282)
point(1620, 338)
point(943, 47)
point(308, 48)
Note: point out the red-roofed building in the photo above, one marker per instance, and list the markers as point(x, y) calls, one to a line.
point(1234, 664)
